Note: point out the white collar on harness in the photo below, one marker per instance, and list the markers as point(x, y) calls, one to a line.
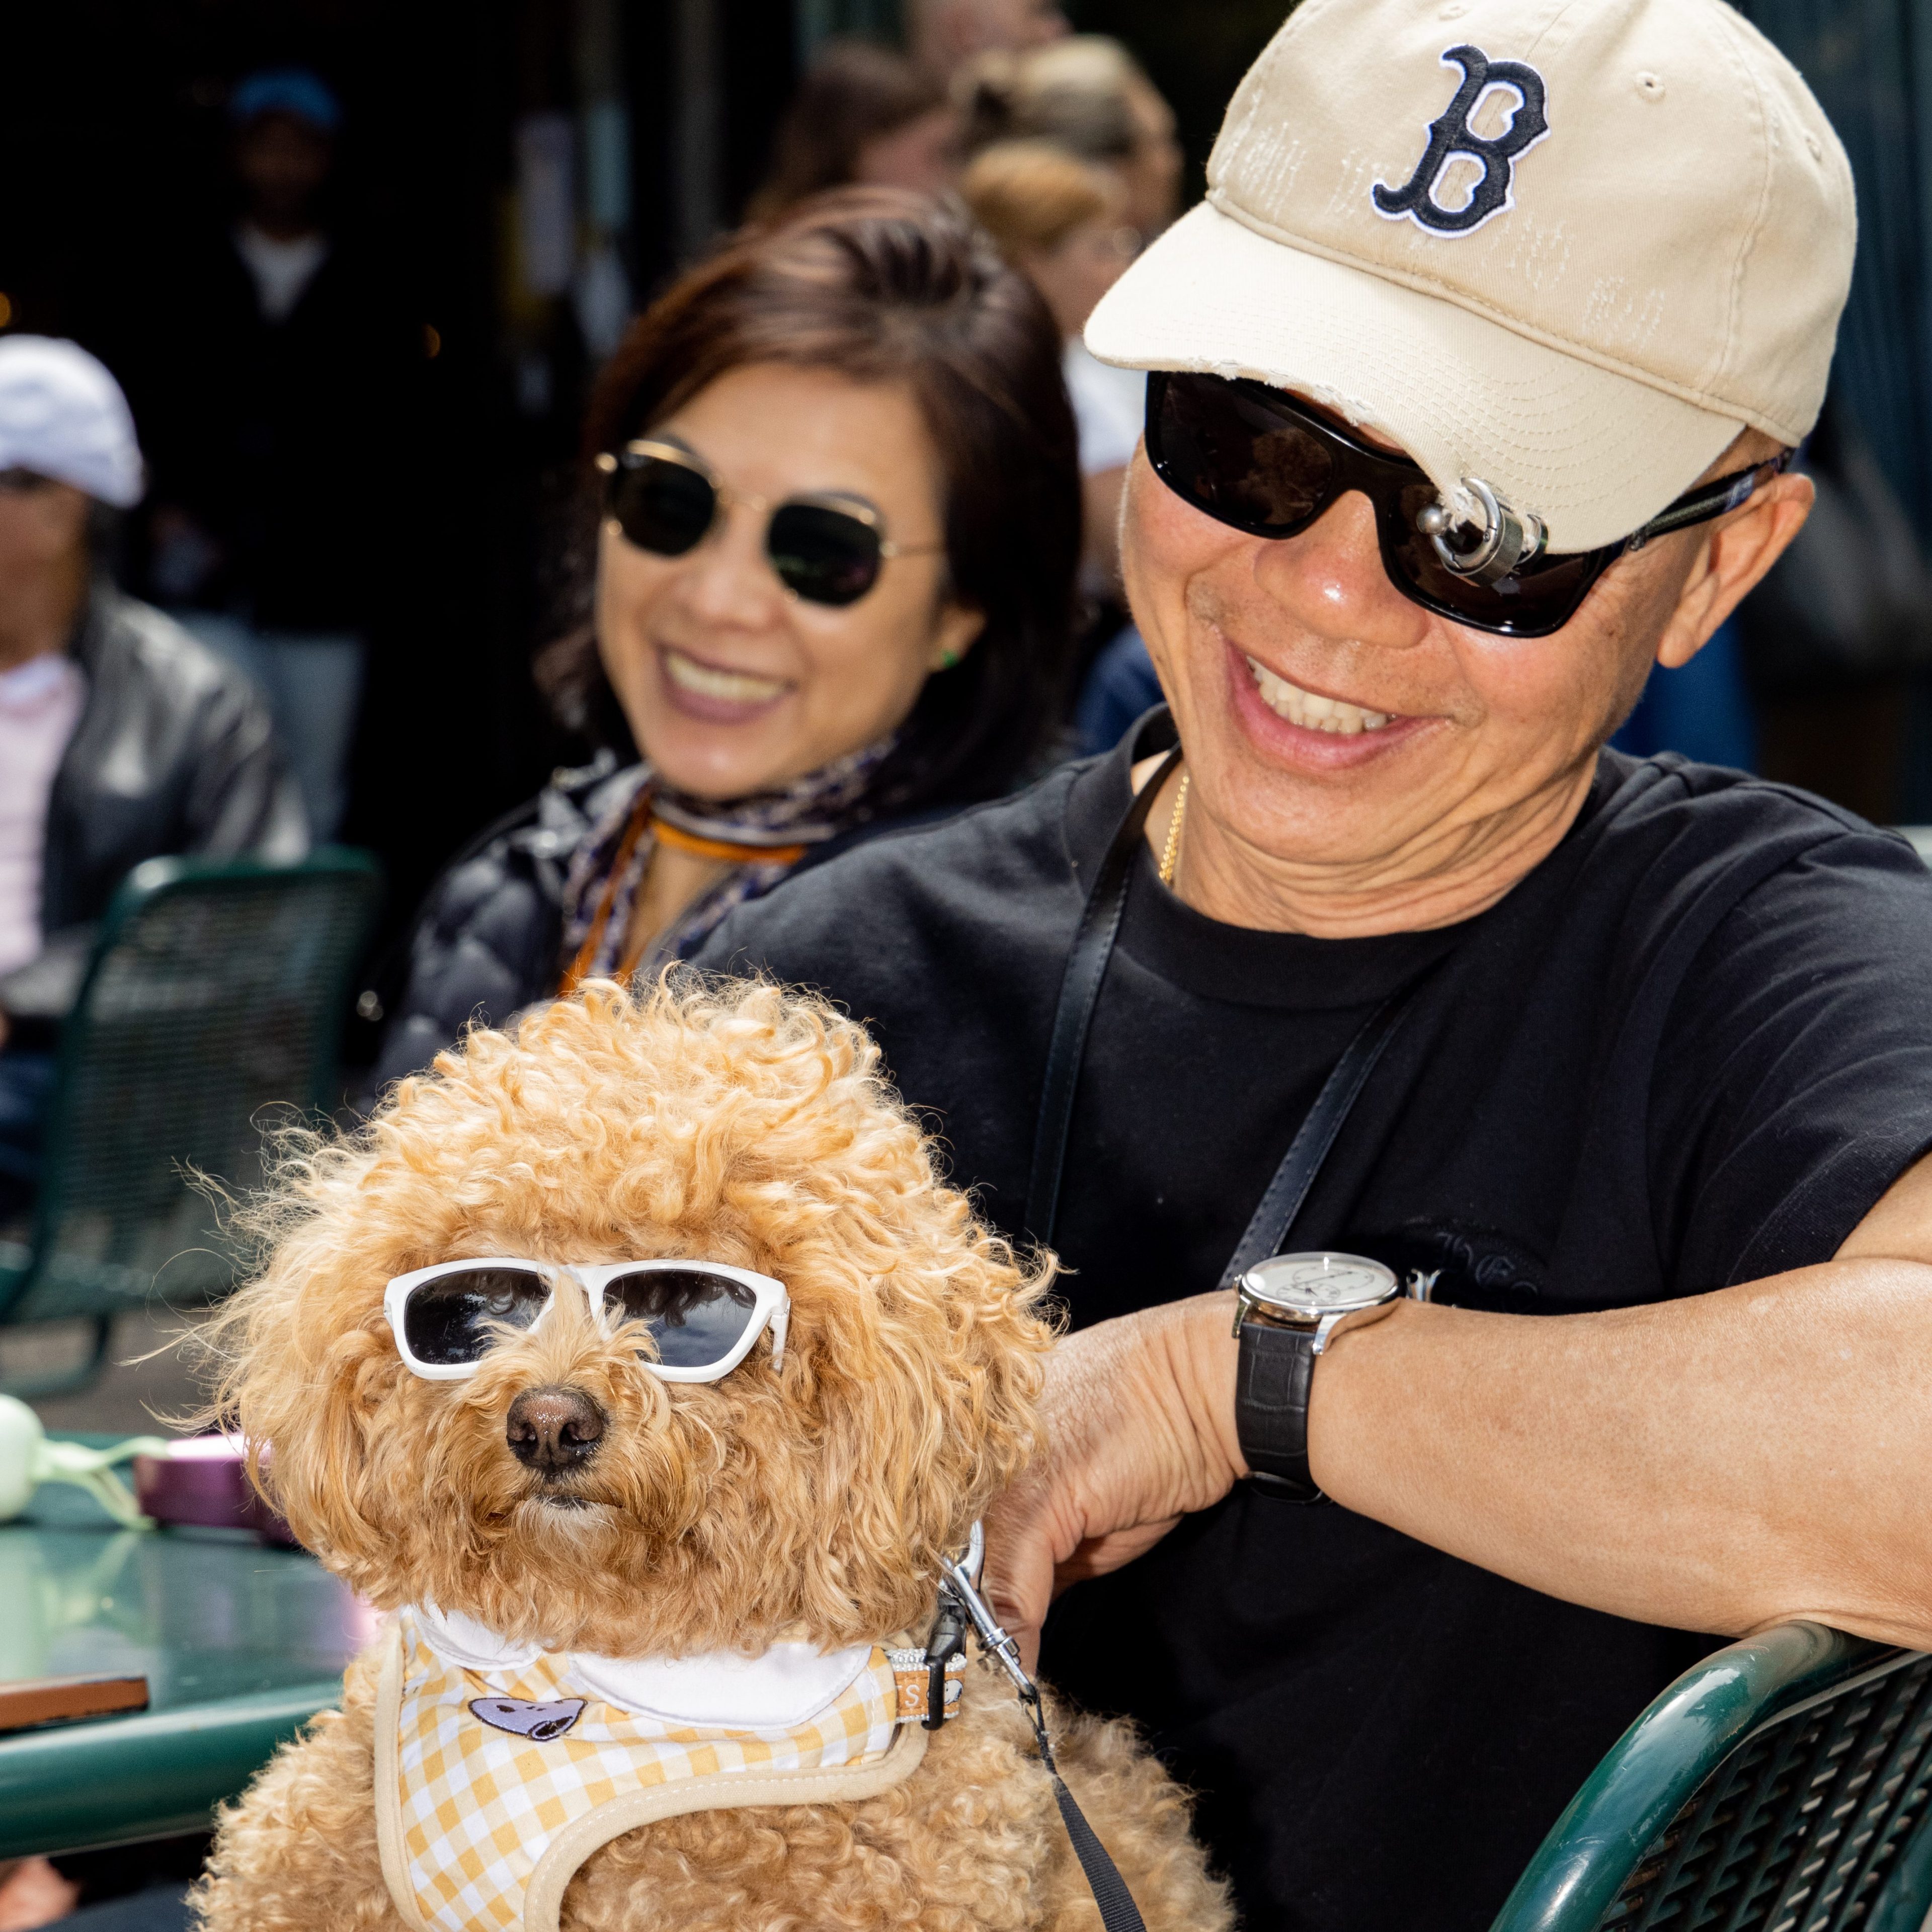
point(789, 1685)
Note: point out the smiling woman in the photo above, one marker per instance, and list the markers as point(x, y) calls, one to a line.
point(758, 628)
point(838, 519)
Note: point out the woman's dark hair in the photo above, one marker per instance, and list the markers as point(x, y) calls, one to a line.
point(854, 93)
point(882, 286)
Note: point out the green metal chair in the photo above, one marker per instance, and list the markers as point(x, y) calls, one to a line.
point(1784, 1785)
point(215, 989)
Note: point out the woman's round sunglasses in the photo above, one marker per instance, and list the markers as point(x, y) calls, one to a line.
point(827, 549)
point(702, 1316)
point(1245, 454)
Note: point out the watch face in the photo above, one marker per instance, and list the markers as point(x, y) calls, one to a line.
point(1321, 1283)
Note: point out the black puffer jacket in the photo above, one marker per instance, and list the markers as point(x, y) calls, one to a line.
point(490, 940)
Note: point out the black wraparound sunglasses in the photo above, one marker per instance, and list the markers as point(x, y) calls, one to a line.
point(827, 549)
point(1245, 454)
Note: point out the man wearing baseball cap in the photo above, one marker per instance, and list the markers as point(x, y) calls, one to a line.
point(1490, 1169)
point(121, 738)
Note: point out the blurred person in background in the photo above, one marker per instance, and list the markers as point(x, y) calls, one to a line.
point(944, 34)
point(1090, 96)
point(277, 392)
point(121, 737)
point(862, 114)
point(1703, 709)
point(840, 524)
point(1807, 683)
point(1831, 643)
point(1057, 220)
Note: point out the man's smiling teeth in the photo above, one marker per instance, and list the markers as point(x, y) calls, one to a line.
point(731, 687)
point(1312, 713)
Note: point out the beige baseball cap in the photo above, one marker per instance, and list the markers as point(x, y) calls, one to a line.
point(1571, 247)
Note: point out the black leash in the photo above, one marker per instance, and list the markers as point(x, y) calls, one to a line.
point(959, 1601)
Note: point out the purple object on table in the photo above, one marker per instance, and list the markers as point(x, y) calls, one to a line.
point(204, 1480)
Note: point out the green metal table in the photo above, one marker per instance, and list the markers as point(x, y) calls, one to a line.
point(240, 1644)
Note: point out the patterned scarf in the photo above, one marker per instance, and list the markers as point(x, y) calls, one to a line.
point(611, 866)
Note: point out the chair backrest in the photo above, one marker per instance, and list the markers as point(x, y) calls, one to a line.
point(216, 990)
point(1784, 1785)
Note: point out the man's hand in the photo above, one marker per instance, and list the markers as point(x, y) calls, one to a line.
point(1140, 1426)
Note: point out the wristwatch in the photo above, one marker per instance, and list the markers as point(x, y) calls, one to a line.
point(1287, 1311)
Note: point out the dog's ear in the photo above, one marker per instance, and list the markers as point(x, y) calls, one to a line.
point(308, 1365)
point(923, 1383)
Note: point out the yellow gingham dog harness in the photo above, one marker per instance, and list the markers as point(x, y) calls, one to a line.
point(493, 1788)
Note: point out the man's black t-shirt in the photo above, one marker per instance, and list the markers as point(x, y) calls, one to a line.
point(1693, 1047)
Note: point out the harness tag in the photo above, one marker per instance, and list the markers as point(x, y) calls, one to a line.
point(912, 1673)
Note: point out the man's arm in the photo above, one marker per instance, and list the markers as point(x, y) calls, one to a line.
point(1715, 1463)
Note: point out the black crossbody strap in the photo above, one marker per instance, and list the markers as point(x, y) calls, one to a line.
point(1079, 994)
point(1267, 1230)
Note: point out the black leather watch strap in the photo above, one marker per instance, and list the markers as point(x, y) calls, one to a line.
point(1277, 1366)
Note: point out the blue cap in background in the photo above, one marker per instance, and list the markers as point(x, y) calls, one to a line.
point(293, 90)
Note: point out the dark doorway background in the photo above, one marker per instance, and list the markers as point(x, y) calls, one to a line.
point(113, 142)
point(114, 136)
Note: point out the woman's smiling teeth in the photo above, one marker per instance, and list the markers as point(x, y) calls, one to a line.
point(1312, 713)
point(730, 687)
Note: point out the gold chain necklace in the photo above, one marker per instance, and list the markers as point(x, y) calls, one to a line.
point(1172, 853)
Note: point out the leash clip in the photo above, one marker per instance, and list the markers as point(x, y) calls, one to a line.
point(960, 1585)
point(961, 1578)
point(949, 1625)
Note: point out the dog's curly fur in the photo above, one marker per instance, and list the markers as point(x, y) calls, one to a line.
point(813, 1500)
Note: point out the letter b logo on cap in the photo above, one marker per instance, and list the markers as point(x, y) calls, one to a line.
point(1450, 135)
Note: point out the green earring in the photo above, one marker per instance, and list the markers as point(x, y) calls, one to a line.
point(947, 659)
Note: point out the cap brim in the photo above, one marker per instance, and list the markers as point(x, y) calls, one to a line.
point(1595, 455)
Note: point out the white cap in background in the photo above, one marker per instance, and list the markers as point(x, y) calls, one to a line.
point(63, 415)
point(1570, 246)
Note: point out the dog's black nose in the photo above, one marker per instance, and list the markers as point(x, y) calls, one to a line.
point(554, 1430)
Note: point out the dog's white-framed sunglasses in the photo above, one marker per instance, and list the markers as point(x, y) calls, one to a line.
point(702, 1316)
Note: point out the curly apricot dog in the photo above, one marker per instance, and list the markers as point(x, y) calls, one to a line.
point(652, 1660)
